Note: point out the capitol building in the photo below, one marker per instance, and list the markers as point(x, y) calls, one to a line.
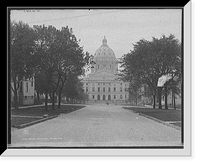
point(102, 84)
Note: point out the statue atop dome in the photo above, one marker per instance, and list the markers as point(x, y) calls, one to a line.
point(104, 41)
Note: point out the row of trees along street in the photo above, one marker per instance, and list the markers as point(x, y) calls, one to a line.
point(53, 56)
point(150, 60)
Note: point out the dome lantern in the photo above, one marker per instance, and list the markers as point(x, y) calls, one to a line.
point(104, 41)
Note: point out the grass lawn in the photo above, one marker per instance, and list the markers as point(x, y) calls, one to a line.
point(161, 114)
point(18, 117)
point(21, 120)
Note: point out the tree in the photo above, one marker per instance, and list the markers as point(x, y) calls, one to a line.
point(168, 51)
point(134, 91)
point(80, 96)
point(66, 79)
point(69, 89)
point(73, 91)
point(138, 67)
point(71, 56)
point(174, 87)
point(149, 60)
point(58, 55)
point(22, 41)
point(42, 86)
point(44, 57)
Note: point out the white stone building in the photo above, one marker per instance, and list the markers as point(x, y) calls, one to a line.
point(26, 92)
point(102, 84)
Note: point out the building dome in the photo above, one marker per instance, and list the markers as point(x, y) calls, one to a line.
point(104, 58)
point(104, 53)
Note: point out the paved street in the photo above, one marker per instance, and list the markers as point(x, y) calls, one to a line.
point(97, 125)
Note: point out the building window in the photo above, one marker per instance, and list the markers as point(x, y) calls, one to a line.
point(103, 89)
point(86, 89)
point(108, 89)
point(92, 96)
point(120, 96)
point(114, 89)
point(109, 97)
point(26, 86)
point(120, 89)
point(114, 97)
point(98, 97)
point(98, 89)
point(93, 89)
point(104, 97)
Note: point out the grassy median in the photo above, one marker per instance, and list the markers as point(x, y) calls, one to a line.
point(171, 116)
point(31, 114)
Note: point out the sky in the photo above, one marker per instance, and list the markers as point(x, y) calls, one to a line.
point(121, 27)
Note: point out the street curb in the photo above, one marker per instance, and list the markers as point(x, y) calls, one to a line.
point(160, 121)
point(34, 122)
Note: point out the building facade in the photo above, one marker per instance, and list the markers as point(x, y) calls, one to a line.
point(102, 84)
point(26, 92)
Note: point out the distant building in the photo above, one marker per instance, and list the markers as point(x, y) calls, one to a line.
point(102, 84)
point(26, 92)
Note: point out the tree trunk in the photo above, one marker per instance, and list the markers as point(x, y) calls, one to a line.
point(166, 105)
point(160, 97)
point(154, 101)
point(60, 92)
point(53, 101)
point(59, 99)
point(174, 102)
point(46, 101)
point(38, 96)
point(16, 100)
